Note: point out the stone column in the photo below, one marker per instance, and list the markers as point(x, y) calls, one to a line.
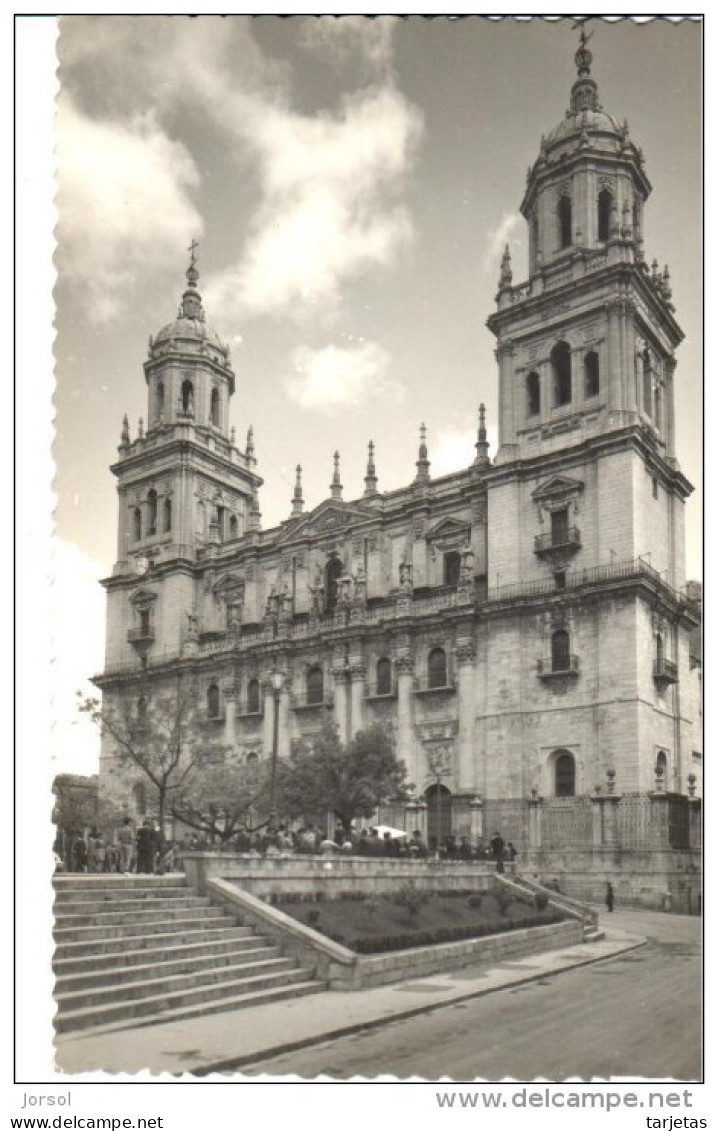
point(268, 721)
point(230, 714)
point(615, 392)
point(504, 356)
point(357, 673)
point(284, 735)
point(535, 806)
point(669, 409)
point(476, 808)
point(465, 657)
point(405, 738)
point(340, 674)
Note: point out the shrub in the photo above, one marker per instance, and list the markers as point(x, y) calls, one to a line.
point(541, 900)
point(312, 917)
point(409, 896)
point(475, 901)
point(504, 899)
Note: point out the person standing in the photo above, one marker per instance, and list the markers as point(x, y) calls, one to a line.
point(497, 850)
point(609, 896)
point(125, 837)
point(146, 847)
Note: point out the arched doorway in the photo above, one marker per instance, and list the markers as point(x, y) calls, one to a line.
point(564, 774)
point(438, 815)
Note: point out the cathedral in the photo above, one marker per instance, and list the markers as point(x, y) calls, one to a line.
point(523, 625)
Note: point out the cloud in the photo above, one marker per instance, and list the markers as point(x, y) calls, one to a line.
point(330, 203)
point(337, 40)
point(328, 185)
point(498, 237)
point(334, 377)
point(124, 204)
point(78, 603)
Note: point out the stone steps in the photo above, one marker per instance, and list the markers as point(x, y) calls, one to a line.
point(136, 949)
point(69, 981)
point(97, 946)
point(239, 939)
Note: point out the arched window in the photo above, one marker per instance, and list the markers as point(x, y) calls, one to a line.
point(647, 382)
point(214, 407)
point(564, 774)
point(565, 237)
point(142, 710)
point(605, 202)
point(315, 685)
point(160, 399)
point(137, 524)
point(213, 701)
point(661, 764)
point(139, 793)
point(591, 374)
point(332, 575)
point(253, 697)
point(152, 512)
point(437, 668)
point(561, 365)
point(560, 651)
point(145, 622)
point(533, 394)
point(187, 397)
point(383, 676)
point(167, 512)
point(233, 526)
point(452, 567)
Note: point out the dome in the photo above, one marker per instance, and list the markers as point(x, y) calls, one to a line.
point(190, 325)
point(190, 329)
point(586, 115)
point(588, 121)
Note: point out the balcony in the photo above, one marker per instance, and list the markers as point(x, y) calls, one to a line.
point(665, 672)
point(145, 634)
point(547, 672)
point(557, 543)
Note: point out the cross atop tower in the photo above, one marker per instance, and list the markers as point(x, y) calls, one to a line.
point(192, 249)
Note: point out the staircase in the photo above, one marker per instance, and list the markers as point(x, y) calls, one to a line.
point(571, 907)
point(133, 950)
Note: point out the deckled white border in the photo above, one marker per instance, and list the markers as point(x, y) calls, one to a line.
point(36, 85)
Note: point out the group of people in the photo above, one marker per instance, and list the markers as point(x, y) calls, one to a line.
point(129, 849)
point(141, 849)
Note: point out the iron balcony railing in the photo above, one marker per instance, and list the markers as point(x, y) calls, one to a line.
point(567, 665)
point(569, 539)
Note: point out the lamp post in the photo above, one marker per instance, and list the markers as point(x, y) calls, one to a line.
point(276, 682)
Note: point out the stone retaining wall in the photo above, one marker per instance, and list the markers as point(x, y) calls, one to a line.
point(656, 880)
point(335, 876)
point(343, 969)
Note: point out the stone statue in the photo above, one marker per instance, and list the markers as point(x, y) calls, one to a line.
point(192, 626)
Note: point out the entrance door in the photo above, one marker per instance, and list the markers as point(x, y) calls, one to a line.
point(438, 815)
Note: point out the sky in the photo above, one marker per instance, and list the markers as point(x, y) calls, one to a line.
point(352, 183)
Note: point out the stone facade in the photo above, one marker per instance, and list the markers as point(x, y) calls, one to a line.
point(522, 624)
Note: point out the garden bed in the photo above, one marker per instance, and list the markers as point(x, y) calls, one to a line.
point(405, 919)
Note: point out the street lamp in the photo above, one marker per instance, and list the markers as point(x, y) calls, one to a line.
point(276, 682)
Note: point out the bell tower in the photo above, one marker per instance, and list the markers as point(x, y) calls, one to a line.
point(586, 346)
point(184, 487)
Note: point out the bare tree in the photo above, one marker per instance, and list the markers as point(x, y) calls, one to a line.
point(158, 740)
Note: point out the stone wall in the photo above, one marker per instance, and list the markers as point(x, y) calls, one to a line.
point(334, 876)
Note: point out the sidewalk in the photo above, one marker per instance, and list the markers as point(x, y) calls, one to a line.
point(224, 1042)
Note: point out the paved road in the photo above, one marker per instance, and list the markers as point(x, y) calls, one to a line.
point(636, 1016)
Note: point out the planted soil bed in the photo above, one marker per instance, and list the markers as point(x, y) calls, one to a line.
point(378, 924)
